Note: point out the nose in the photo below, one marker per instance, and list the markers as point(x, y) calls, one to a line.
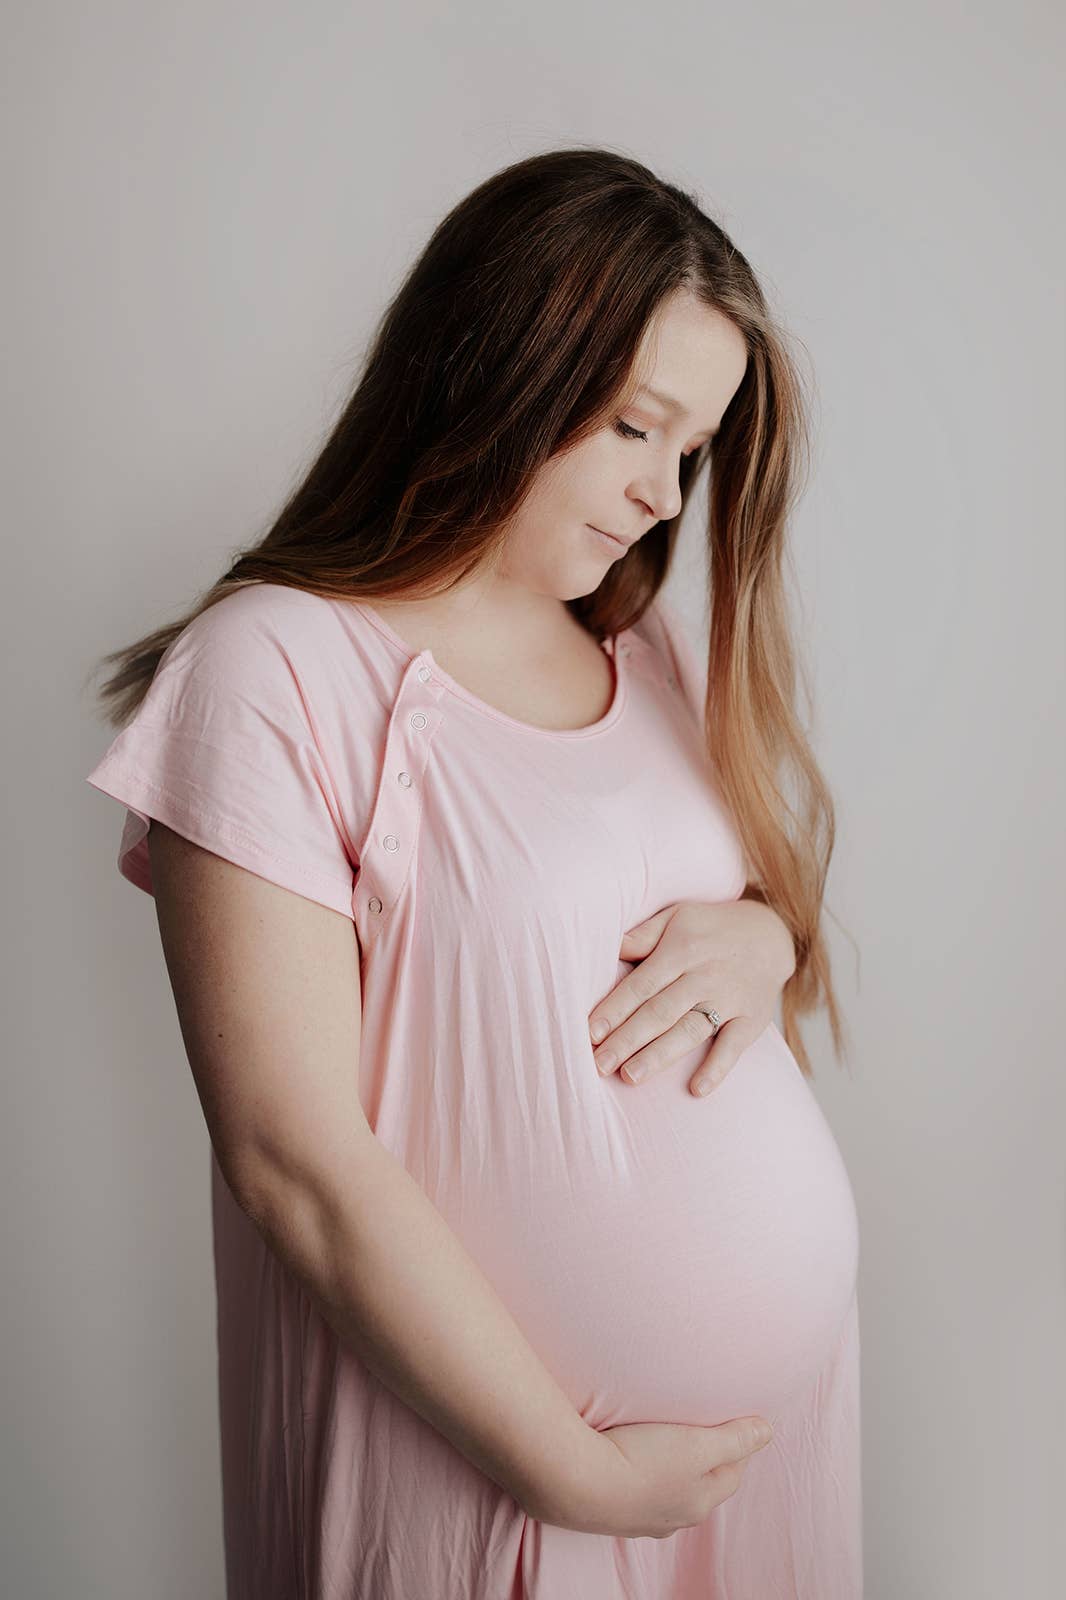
point(661, 492)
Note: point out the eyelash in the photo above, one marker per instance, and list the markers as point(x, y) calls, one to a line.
point(626, 432)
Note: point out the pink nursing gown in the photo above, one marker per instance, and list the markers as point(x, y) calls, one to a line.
point(670, 1259)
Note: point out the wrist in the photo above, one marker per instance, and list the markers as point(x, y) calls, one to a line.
point(788, 949)
point(580, 1483)
point(785, 953)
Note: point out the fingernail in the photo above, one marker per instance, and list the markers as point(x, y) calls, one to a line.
point(635, 1074)
point(606, 1063)
point(598, 1030)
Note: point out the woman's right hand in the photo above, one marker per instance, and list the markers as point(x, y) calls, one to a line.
point(651, 1478)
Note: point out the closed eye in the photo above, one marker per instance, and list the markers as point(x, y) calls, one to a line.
point(627, 432)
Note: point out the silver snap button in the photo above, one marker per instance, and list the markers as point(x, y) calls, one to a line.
point(391, 842)
point(418, 720)
point(625, 649)
point(404, 778)
point(423, 673)
point(672, 682)
point(375, 904)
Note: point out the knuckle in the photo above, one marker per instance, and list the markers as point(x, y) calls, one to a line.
point(694, 1024)
point(660, 1013)
point(644, 983)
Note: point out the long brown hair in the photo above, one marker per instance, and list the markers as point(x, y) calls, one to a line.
point(512, 338)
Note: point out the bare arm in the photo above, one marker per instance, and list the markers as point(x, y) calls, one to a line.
point(268, 992)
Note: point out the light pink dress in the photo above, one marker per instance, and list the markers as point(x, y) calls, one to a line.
point(670, 1259)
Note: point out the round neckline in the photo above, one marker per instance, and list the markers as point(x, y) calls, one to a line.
point(610, 647)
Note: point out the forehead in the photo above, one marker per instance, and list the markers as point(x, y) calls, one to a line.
point(691, 361)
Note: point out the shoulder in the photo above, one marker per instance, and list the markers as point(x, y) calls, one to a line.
point(673, 638)
point(663, 627)
point(271, 664)
point(267, 634)
point(261, 613)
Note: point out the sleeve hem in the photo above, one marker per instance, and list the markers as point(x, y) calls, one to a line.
point(146, 800)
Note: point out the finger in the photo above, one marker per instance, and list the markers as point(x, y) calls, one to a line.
point(649, 1025)
point(688, 1032)
point(755, 1432)
point(731, 1040)
point(709, 1078)
point(640, 941)
point(651, 979)
point(749, 1437)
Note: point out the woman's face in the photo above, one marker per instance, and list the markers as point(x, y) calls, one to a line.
point(623, 479)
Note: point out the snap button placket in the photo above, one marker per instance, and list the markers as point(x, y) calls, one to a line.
point(397, 805)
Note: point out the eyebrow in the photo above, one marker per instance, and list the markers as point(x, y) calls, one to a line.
point(668, 401)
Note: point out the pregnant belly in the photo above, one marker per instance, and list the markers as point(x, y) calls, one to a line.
point(670, 1259)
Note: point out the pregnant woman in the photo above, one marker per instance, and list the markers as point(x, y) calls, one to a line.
point(430, 782)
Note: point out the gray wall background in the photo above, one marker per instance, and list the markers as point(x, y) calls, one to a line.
point(207, 208)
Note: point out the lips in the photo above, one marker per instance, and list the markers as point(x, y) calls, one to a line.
point(616, 537)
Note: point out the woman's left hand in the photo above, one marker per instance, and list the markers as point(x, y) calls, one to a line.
point(736, 956)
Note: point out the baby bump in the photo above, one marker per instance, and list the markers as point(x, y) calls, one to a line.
point(669, 1258)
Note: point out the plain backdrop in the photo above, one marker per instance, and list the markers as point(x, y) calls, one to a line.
point(207, 207)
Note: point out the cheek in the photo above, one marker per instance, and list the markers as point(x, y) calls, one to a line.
point(572, 490)
point(545, 540)
point(590, 470)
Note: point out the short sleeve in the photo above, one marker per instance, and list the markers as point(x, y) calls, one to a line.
point(225, 750)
